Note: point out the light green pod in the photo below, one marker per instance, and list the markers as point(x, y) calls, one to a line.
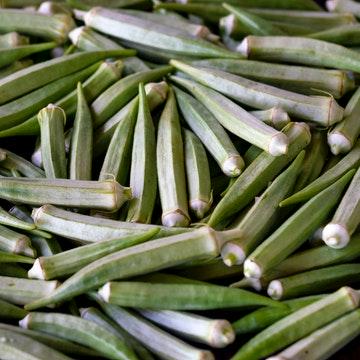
point(14, 67)
point(9, 220)
point(143, 177)
point(343, 6)
point(275, 117)
point(12, 39)
point(6, 257)
point(81, 140)
point(16, 243)
point(171, 167)
point(52, 120)
point(45, 246)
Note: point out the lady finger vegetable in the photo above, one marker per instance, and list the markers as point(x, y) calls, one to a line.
point(10, 311)
point(275, 117)
point(14, 258)
point(13, 242)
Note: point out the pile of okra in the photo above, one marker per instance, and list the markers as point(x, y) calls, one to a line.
point(179, 180)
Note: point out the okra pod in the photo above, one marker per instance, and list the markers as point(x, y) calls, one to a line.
point(44, 246)
point(11, 311)
point(9, 220)
point(165, 252)
point(348, 162)
point(145, 32)
point(52, 120)
point(90, 229)
point(325, 341)
point(198, 175)
point(143, 165)
point(346, 35)
point(14, 67)
point(299, 324)
point(314, 281)
point(6, 257)
point(343, 6)
point(16, 346)
point(81, 140)
point(320, 109)
point(14, 242)
point(210, 132)
point(300, 50)
point(37, 75)
point(257, 175)
point(215, 333)
point(344, 135)
point(70, 261)
point(233, 117)
point(275, 117)
point(76, 329)
point(102, 195)
point(155, 339)
point(295, 230)
point(300, 79)
point(13, 270)
point(22, 291)
point(156, 94)
point(13, 39)
point(262, 215)
point(171, 167)
point(346, 219)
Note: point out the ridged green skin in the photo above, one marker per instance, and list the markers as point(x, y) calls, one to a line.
point(9, 220)
point(16, 66)
point(10, 311)
point(81, 140)
point(6, 257)
point(84, 332)
point(14, 242)
point(143, 179)
point(346, 35)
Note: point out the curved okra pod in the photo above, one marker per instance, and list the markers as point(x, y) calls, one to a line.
point(11, 311)
point(275, 117)
point(346, 219)
point(156, 94)
point(233, 117)
point(346, 163)
point(299, 324)
point(140, 259)
point(81, 140)
point(96, 316)
point(70, 261)
point(14, 242)
point(37, 75)
point(84, 332)
point(16, 346)
point(210, 132)
point(22, 291)
point(300, 51)
point(171, 167)
point(319, 109)
point(145, 32)
point(52, 120)
point(262, 215)
point(101, 195)
point(116, 96)
point(301, 79)
point(90, 229)
point(198, 175)
point(215, 333)
point(258, 174)
point(325, 341)
point(314, 281)
point(155, 339)
point(344, 135)
point(295, 230)
point(262, 318)
point(143, 177)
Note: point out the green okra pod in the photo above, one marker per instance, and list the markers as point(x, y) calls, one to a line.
point(90, 229)
point(346, 219)
point(155, 339)
point(295, 230)
point(22, 291)
point(10, 220)
point(210, 132)
point(12, 39)
point(45, 246)
point(14, 346)
point(343, 6)
point(301, 79)
point(346, 35)
point(261, 217)
point(343, 136)
point(319, 109)
point(314, 281)
point(81, 140)
point(171, 167)
point(13, 270)
point(37, 75)
point(299, 324)
point(6, 257)
point(71, 261)
point(165, 252)
point(348, 162)
point(76, 329)
point(257, 175)
point(143, 165)
point(52, 120)
point(14, 67)
point(11, 311)
point(14, 242)
point(275, 117)
point(325, 341)
point(198, 175)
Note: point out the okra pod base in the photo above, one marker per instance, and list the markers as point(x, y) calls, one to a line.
point(275, 289)
point(199, 207)
point(339, 143)
point(232, 254)
point(252, 269)
point(175, 218)
point(233, 166)
point(335, 236)
point(278, 145)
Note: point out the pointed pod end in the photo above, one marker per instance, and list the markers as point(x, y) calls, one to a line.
point(339, 143)
point(279, 145)
point(335, 236)
point(275, 290)
point(252, 270)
